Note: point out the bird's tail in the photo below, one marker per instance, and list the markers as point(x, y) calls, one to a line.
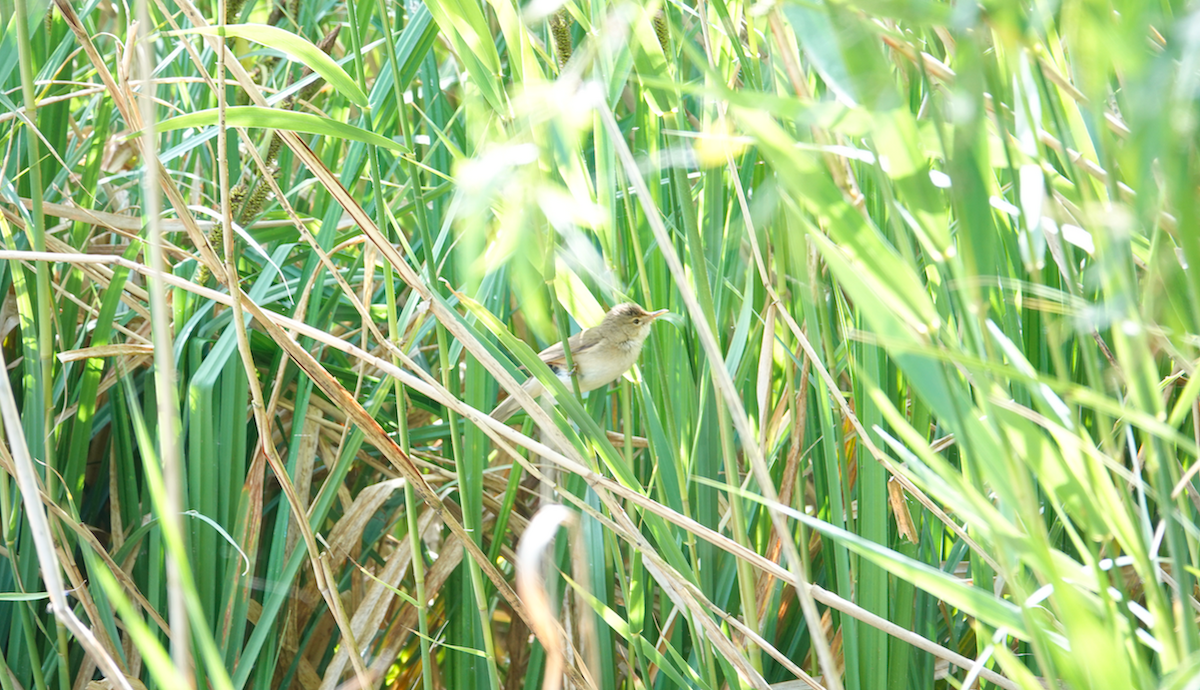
point(510, 405)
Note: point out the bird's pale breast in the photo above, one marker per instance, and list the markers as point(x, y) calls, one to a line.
point(602, 368)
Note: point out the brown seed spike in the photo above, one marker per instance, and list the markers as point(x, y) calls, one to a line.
point(662, 31)
point(560, 27)
point(232, 8)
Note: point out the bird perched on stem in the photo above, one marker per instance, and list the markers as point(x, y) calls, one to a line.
point(600, 355)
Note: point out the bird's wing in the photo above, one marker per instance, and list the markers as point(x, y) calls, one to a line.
point(555, 356)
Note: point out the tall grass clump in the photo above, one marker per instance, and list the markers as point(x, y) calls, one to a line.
point(925, 413)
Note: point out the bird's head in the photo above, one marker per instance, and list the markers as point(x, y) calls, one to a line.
point(629, 321)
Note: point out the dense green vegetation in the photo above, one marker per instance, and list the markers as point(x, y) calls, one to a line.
point(924, 414)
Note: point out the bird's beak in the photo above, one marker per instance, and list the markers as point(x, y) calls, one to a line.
point(655, 314)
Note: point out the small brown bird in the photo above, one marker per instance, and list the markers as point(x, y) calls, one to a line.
point(600, 354)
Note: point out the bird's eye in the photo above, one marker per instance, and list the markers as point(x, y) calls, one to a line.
point(637, 322)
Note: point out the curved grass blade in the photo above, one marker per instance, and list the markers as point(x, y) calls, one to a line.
point(295, 47)
point(271, 118)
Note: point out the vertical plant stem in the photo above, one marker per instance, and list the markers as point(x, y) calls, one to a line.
point(164, 360)
point(42, 402)
point(418, 566)
point(37, 239)
point(410, 496)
